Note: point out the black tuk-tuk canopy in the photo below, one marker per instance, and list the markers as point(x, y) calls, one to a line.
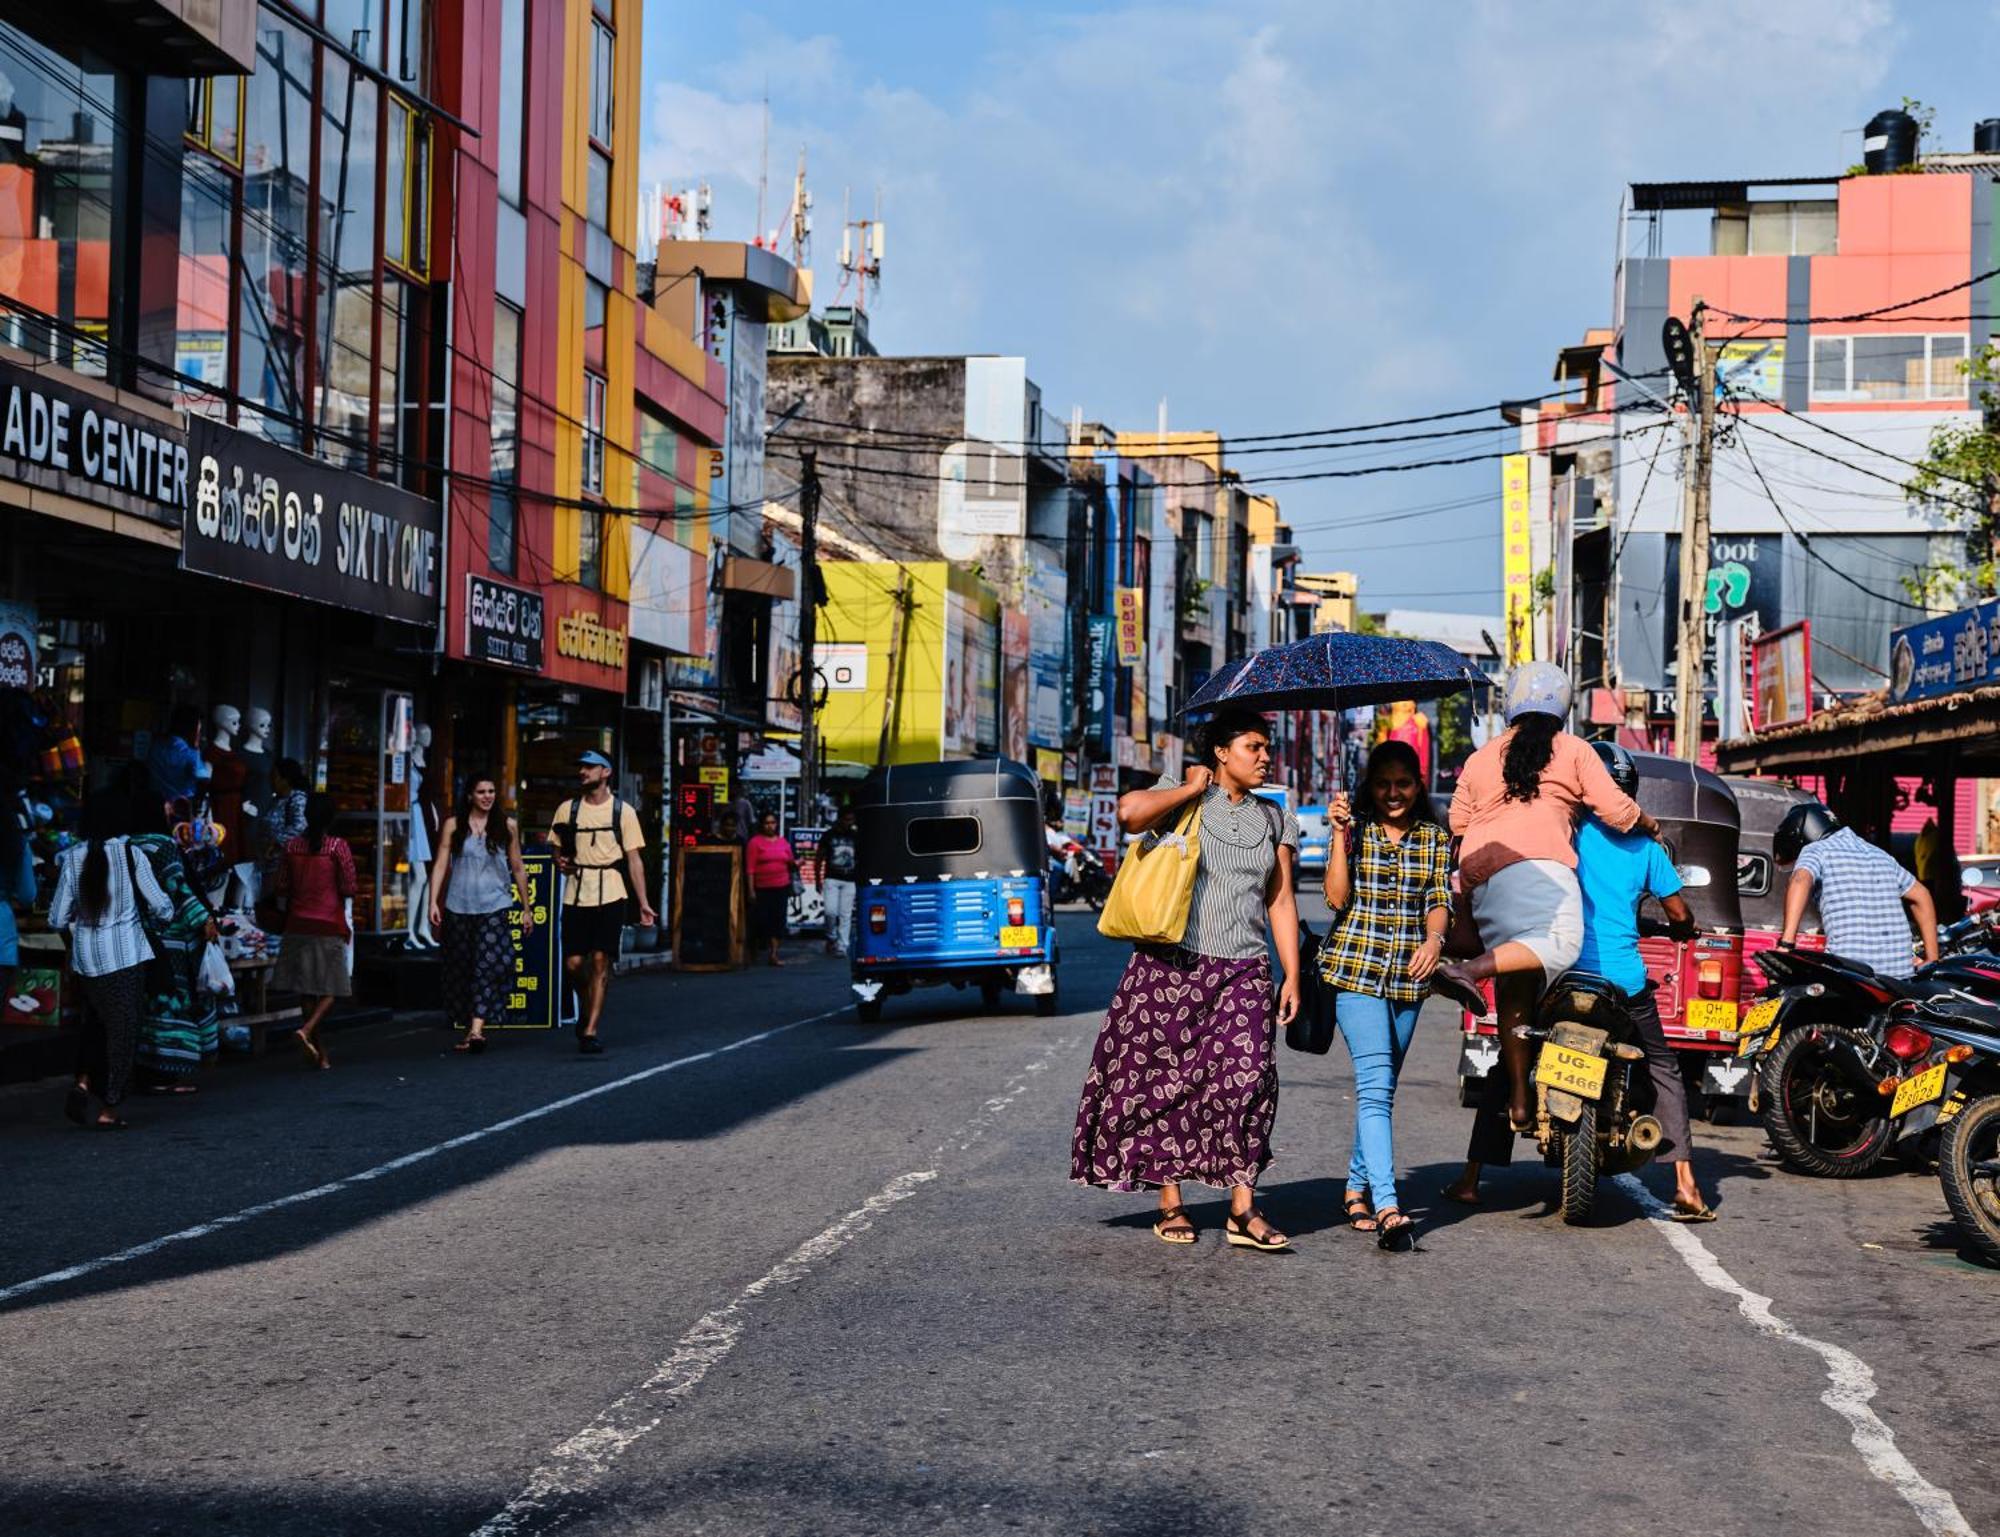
point(967, 819)
point(1699, 820)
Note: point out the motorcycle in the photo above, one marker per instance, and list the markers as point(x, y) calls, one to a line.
point(1586, 1120)
point(1958, 1088)
point(1077, 875)
point(1823, 1045)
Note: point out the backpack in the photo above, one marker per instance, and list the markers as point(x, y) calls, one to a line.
point(566, 835)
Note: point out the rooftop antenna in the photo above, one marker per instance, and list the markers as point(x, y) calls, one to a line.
point(764, 165)
point(861, 247)
point(799, 216)
point(1162, 432)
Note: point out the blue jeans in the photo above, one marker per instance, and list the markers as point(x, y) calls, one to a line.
point(1377, 1032)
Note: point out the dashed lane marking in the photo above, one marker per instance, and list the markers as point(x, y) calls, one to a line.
point(554, 1491)
point(1850, 1380)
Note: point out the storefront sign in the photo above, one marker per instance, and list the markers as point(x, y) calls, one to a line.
point(535, 998)
point(1131, 618)
point(1944, 656)
point(69, 441)
point(503, 625)
point(1101, 676)
point(262, 515)
point(1782, 665)
point(585, 638)
point(18, 633)
point(842, 666)
point(1517, 579)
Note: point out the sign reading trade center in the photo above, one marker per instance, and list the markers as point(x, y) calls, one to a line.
point(260, 514)
point(79, 444)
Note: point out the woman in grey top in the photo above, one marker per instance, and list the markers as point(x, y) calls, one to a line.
point(1182, 1084)
point(478, 871)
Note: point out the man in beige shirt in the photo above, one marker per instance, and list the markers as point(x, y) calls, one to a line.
point(598, 840)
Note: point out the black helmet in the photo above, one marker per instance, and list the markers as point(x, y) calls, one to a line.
point(1620, 764)
point(1807, 822)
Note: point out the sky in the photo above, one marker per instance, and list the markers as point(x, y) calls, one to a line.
point(1280, 215)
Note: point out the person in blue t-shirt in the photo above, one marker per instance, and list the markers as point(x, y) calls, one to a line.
point(1617, 872)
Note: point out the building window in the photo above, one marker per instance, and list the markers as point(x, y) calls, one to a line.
point(597, 195)
point(274, 301)
point(507, 145)
point(1882, 368)
point(590, 547)
point(201, 333)
point(407, 190)
point(409, 44)
point(60, 123)
point(1201, 534)
point(593, 434)
point(215, 116)
point(602, 52)
point(503, 436)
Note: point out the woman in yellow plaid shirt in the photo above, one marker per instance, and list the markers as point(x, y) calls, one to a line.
point(1388, 881)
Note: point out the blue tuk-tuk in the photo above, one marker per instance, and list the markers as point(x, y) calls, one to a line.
point(951, 883)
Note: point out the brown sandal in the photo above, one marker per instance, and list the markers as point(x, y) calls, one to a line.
point(1237, 1230)
point(1180, 1238)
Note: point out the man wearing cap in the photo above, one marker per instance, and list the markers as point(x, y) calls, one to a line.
point(598, 840)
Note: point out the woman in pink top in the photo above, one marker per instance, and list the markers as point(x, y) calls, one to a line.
point(1516, 809)
point(770, 861)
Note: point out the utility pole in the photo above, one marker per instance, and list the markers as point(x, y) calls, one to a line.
point(808, 632)
point(892, 704)
point(1694, 543)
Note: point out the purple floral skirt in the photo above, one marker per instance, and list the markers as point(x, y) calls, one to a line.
point(1182, 1085)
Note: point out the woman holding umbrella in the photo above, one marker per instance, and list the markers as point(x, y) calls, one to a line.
point(1516, 810)
point(1182, 1085)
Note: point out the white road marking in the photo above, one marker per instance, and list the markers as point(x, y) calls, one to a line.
point(1851, 1381)
point(394, 1165)
point(548, 1500)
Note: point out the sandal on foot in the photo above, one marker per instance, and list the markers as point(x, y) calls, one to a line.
point(76, 1105)
point(1237, 1230)
point(1178, 1236)
point(1455, 989)
point(311, 1048)
point(472, 1045)
point(1359, 1216)
point(1701, 1211)
point(1398, 1236)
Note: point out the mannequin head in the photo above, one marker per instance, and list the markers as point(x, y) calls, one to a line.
point(227, 721)
point(256, 730)
point(420, 745)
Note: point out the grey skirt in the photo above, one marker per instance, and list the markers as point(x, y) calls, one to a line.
point(314, 965)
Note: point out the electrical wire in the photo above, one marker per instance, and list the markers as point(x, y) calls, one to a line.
point(1858, 315)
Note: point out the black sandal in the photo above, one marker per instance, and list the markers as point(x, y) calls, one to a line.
point(1180, 1238)
point(1237, 1230)
point(472, 1045)
point(1398, 1237)
point(1359, 1217)
point(76, 1105)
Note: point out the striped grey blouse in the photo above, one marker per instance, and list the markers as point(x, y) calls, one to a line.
point(1239, 849)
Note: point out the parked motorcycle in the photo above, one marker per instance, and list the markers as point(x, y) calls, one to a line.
point(1079, 876)
point(1957, 1085)
point(1823, 1047)
point(1586, 1121)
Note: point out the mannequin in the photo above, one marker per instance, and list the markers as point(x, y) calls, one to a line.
point(226, 777)
point(423, 845)
point(255, 756)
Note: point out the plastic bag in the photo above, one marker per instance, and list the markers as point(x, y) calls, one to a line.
point(216, 977)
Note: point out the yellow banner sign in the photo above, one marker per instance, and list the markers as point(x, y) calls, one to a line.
point(1517, 572)
point(586, 638)
point(1130, 618)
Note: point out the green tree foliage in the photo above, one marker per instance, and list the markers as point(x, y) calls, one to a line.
point(1959, 476)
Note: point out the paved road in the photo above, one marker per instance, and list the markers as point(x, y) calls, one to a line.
point(762, 1270)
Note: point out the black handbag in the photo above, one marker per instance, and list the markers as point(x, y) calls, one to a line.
point(1311, 1029)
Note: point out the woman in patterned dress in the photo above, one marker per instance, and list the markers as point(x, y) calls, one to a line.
point(1182, 1085)
point(180, 1029)
point(473, 884)
point(1388, 881)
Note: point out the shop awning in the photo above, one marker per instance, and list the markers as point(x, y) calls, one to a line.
point(1911, 738)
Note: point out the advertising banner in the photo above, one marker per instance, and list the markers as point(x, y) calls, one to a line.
point(1014, 684)
point(1102, 677)
point(264, 516)
point(1781, 661)
point(78, 444)
point(1945, 656)
point(1517, 575)
point(1130, 614)
point(503, 625)
point(535, 997)
point(1048, 649)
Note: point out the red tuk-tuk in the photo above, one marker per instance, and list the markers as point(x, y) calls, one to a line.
point(1699, 984)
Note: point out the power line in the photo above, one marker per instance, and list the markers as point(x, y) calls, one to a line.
point(1858, 315)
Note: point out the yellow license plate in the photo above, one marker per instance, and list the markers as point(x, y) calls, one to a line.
point(1760, 1015)
point(1574, 1072)
point(1711, 1014)
point(1023, 938)
point(1920, 1090)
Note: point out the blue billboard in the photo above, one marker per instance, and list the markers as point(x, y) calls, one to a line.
point(1946, 656)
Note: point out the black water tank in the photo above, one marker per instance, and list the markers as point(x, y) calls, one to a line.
point(1986, 136)
point(1889, 142)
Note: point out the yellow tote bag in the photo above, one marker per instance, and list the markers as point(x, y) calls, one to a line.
point(1154, 888)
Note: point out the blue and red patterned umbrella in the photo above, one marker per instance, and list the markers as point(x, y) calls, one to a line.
point(1336, 671)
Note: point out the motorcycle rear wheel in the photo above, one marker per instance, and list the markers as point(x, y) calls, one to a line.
point(1819, 1123)
point(1579, 1167)
point(1973, 1139)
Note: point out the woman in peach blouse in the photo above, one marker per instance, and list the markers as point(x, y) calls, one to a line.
point(1516, 809)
